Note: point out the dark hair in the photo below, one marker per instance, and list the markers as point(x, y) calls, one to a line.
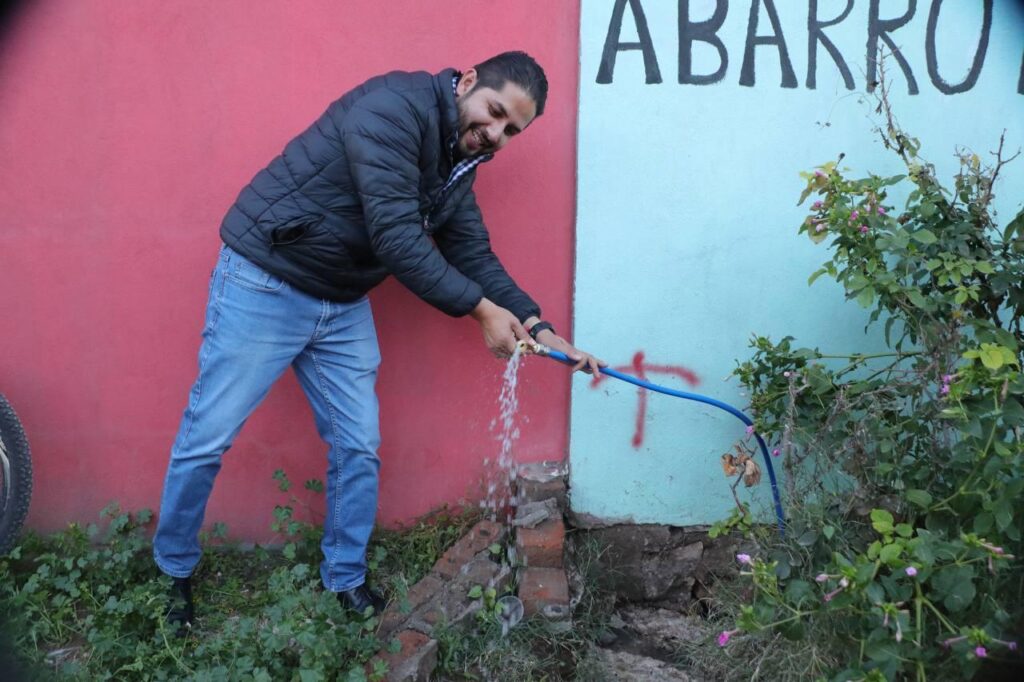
point(518, 67)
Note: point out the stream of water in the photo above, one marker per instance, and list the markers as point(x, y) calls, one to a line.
point(500, 473)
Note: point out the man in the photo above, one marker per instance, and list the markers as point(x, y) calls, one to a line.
point(381, 184)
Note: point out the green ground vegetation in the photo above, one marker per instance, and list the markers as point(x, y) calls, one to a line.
point(88, 604)
point(904, 469)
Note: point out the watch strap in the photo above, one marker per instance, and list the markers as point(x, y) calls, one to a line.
point(539, 327)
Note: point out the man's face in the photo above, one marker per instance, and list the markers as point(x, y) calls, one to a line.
point(488, 118)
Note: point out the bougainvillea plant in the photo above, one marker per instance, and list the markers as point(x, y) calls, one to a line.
point(904, 471)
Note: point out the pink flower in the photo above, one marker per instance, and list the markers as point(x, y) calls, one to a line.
point(744, 559)
point(863, 229)
point(948, 378)
point(750, 430)
point(944, 390)
point(816, 205)
point(854, 215)
point(819, 228)
point(786, 374)
point(822, 577)
point(881, 211)
point(723, 638)
point(820, 173)
point(980, 652)
point(911, 571)
point(775, 452)
point(1012, 646)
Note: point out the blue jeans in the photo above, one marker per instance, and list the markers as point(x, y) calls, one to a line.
point(256, 326)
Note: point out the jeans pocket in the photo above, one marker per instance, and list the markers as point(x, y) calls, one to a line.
point(251, 276)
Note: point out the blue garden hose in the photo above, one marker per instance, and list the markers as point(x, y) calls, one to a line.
point(562, 357)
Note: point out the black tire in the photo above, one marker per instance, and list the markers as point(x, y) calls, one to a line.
point(15, 476)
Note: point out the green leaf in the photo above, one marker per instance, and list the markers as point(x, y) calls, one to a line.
point(924, 237)
point(475, 592)
point(1013, 413)
point(904, 530)
point(983, 522)
point(875, 593)
point(922, 498)
point(798, 591)
point(890, 553)
point(960, 595)
point(817, 273)
point(866, 297)
point(1003, 513)
point(891, 180)
point(1016, 225)
point(881, 520)
point(807, 538)
point(916, 298)
point(991, 356)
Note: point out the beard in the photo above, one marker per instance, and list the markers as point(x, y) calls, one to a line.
point(466, 128)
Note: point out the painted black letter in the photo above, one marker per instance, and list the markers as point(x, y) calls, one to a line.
point(979, 54)
point(816, 35)
point(1020, 83)
point(879, 28)
point(704, 32)
point(747, 70)
point(612, 44)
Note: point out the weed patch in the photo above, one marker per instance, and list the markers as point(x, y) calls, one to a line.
point(88, 603)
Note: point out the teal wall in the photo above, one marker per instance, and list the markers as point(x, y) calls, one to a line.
point(687, 216)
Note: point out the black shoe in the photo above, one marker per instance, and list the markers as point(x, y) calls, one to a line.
point(362, 600)
point(180, 609)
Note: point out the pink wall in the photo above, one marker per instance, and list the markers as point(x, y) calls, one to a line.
point(127, 129)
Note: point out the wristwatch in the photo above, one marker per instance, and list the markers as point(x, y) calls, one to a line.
point(539, 327)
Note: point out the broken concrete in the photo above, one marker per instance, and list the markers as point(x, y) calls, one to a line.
point(621, 666)
point(664, 564)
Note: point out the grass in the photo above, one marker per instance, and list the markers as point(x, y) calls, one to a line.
point(533, 650)
point(88, 604)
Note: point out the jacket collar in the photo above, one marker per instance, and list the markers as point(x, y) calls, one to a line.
point(449, 109)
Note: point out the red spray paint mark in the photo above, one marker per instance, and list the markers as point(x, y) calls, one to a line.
point(640, 370)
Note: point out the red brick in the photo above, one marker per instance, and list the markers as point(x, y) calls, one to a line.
point(425, 589)
point(480, 571)
point(542, 546)
point(480, 537)
point(415, 661)
point(397, 612)
point(537, 491)
point(540, 587)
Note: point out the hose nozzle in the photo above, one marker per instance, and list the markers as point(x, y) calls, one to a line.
point(525, 347)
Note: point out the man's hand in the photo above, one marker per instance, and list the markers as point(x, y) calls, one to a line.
point(500, 327)
point(584, 361)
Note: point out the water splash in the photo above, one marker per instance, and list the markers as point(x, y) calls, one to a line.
point(500, 474)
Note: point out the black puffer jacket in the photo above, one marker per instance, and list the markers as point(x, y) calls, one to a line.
point(357, 197)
